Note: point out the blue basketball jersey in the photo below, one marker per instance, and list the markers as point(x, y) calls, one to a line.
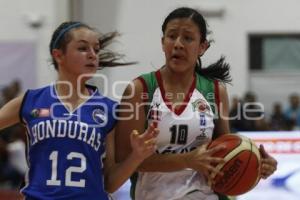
point(65, 148)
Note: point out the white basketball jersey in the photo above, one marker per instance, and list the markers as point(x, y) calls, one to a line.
point(181, 131)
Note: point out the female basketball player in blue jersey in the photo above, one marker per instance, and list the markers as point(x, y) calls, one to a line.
point(70, 125)
point(189, 105)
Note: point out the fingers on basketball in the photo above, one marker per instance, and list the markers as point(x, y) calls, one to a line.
point(241, 169)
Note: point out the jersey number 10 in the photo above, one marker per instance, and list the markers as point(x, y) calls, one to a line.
point(179, 134)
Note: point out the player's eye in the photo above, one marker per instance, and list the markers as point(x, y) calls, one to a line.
point(172, 36)
point(82, 48)
point(188, 38)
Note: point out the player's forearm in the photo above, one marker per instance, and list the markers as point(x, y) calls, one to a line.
point(9, 113)
point(164, 163)
point(121, 172)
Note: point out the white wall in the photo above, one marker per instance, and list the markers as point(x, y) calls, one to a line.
point(14, 22)
point(140, 23)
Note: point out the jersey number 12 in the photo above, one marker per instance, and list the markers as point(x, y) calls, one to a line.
point(72, 169)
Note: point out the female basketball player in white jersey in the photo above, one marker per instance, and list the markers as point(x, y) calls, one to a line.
point(70, 125)
point(189, 105)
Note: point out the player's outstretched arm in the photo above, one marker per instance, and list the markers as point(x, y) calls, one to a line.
point(143, 145)
point(9, 113)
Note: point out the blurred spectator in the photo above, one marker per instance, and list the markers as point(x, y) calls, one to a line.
point(277, 119)
point(4, 95)
point(16, 149)
point(15, 86)
point(292, 113)
point(249, 116)
point(12, 146)
point(234, 114)
point(10, 91)
point(9, 177)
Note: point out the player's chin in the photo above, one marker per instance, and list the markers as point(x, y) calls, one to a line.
point(178, 67)
point(87, 74)
point(90, 70)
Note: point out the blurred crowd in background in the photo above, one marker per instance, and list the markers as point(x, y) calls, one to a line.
point(13, 164)
point(246, 114)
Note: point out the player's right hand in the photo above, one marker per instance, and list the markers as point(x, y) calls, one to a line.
point(201, 160)
point(143, 145)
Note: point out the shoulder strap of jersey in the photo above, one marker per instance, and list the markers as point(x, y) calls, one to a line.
point(149, 85)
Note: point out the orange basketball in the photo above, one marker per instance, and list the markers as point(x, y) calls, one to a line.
point(242, 165)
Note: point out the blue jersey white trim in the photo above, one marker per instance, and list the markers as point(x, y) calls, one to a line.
point(65, 149)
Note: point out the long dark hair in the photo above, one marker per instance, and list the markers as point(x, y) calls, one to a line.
point(216, 71)
point(107, 58)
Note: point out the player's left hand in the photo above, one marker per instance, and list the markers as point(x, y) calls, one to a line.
point(268, 163)
point(144, 145)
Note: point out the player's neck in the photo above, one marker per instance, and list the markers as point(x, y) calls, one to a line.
point(181, 81)
point(68, 85)
point(71, 93)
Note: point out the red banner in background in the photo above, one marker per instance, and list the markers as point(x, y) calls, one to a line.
point(280, 145)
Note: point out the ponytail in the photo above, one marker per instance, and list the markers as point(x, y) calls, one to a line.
point(216, 71)
point(108, 58)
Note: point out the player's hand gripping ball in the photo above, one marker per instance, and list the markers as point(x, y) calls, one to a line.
point(241, 170)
